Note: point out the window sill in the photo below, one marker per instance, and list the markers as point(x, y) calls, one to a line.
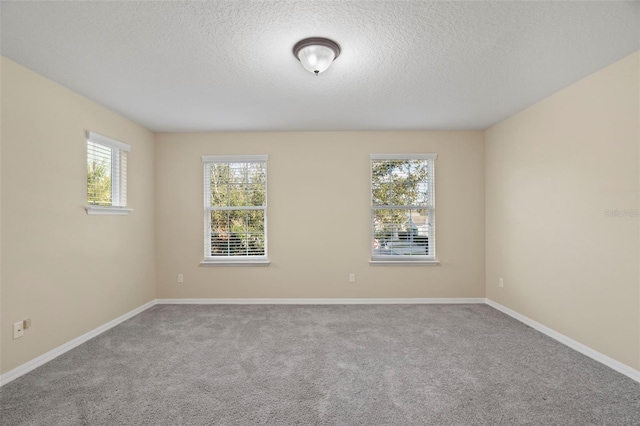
point(430, 262)
point(107, 210)
point(261, 262)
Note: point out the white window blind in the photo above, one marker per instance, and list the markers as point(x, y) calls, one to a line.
point(402, 207)
point(235, 208)
point(106, 171)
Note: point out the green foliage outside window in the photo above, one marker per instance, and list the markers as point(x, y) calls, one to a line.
point(98, 183)
point(238, 231)
point(399, 183)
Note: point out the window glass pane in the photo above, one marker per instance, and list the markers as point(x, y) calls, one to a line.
point(220, 233)
point(256, 195)
point(400, 232)
point(219, 184)
point(238, 231)
point(237, 195)
point(416, 182)
point(238, 244)
point(98, 174)
point(223, 242)
point(237, 173)
point(256, 184)
point(106, 171)
point(380, 183)
point(399, 182)
point(238, 184)
point(255, 221)
point(422, 194)
point(219, 245)
point(256, 173)
point(256, 244)
point(219, 221)
point(237, 221)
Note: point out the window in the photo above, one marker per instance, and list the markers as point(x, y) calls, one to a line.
point(106, 175)
point(235, 209)
point(402, 208)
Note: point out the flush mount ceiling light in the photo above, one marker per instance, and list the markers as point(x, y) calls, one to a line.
point(316, 53)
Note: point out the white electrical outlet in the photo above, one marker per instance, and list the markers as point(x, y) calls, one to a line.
point(352, 278)
point(180, 278)
point(501, 283)
point(18, 330)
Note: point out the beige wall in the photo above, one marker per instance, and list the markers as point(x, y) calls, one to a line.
point(318, 196)
point(67, 271)
point(551, 173)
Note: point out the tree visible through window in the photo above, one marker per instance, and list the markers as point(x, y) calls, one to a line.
point(235, 207)
point(98, 174)
point(106, 171)
point(402, 207)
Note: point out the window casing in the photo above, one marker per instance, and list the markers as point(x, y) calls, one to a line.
point(403, 208)
point(235, 209)
point(106, 175)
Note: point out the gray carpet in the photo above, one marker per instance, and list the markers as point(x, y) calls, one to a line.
point(321, 365)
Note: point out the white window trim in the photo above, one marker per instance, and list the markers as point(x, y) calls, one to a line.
point(105, 140)
point(115, 186)
point(234, 260)
point(234, 158)
point(427, 260)
point(403, 156)
point(417, 262)
point(107, 210)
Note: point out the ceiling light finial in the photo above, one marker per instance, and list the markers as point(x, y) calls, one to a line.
point(316, 53)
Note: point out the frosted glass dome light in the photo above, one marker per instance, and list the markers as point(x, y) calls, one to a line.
point(316, 54)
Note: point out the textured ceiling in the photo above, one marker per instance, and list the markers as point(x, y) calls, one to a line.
point(227, 65)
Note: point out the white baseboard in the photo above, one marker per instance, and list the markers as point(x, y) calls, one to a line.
point(354, 301)
point(56, 352)
point(583, 349)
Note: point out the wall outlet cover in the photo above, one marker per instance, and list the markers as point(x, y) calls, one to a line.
point(18, 330)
